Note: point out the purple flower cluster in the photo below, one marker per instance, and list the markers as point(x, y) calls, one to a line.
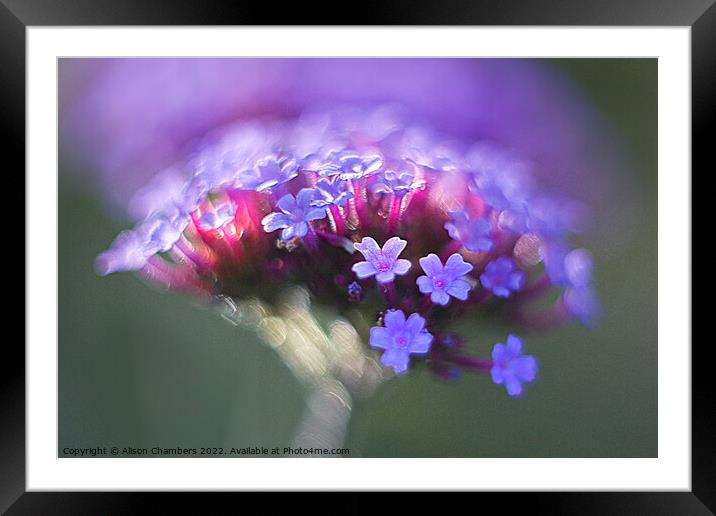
point(388, 219)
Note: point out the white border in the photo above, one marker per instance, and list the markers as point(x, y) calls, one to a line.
point(672, 468)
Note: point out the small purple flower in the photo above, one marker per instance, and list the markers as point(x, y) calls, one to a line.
point(351, 165)
point(511, 367)
point(400, 338)
point(397, 183)
point(218, 218)
point(332, 191)
point(442, 282)
point(383, 263)
point(473, 233)
point(295, 215)
point(502, 277)
point(268, 173)
point(355, 292)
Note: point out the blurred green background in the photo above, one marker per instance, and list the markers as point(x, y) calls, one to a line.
point(142, 368)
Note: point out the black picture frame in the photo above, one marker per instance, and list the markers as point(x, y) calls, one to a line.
point(17, 15)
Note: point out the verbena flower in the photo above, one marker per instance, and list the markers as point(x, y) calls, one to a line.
point(333, 191)
point(327, 182)
point(351, 164)
point(383, 263)
point(397, 183)
point(267, 173)
point(512, 368)
point(296, 213)
point(399, 338)
point(441, 282)
point(502, 277)
point(219, 217)
point(472, 232)
point(355, 292)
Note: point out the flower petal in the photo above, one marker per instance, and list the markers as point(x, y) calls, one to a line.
point(514, 387)
point(301, 228)
point(514, 346)
point(372, 163)
point(415, 324)
point(456, 266)
point(380, 188)
point(401, 266)
point(501, 292)
point(394, 320)
point(304, 198)
point(431, 264)
point(452, 230)
point(421, 343)
point(425, 284)
point(364, 269)
point(393, 247)
point(397, 359)
point(459, 289)
point(385, 277)
point(459, 216)
point(498, 352)
point(289, 232)
point(381, 338)
point(526, 368)
point(482, 245)
point(316, 213)
point(343, 198)
point(439, 297)
point(265, 185)
point(369, 249)
point(497, 376)
point(287, 204)
point(274, 221)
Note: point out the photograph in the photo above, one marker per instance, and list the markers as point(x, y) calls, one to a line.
point(426, 250)
point(352, 257)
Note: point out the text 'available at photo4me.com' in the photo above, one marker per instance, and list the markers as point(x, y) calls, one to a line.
point(209, 451)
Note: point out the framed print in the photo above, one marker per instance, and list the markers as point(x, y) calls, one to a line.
point(270, 258)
